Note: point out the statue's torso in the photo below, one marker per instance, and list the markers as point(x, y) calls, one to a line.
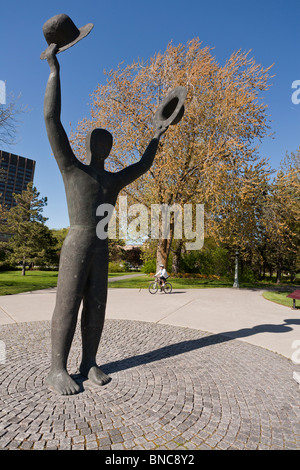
point(86, 190)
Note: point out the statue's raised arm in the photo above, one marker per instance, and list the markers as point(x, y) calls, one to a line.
point(134, 171)
point(168, 113)
point(52, 110)
point(60, 33)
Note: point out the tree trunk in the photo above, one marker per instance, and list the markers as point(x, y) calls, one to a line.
point(278, 276)
point(264, 271)
point(278, 273)
point(24, 267)
point(163, 247)
point(236, 270)
point(270, 272)
point(162, 254)
point(177, 257)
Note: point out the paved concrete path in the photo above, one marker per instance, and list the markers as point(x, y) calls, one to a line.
point(237, 313)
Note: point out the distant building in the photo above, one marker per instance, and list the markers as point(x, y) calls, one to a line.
point(18, 172)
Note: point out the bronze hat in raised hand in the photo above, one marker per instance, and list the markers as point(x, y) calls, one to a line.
point(171, 109)
point(61, 30)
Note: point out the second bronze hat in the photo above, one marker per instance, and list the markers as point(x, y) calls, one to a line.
point(171, 109)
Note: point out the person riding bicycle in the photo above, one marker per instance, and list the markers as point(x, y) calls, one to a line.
point(162, 274)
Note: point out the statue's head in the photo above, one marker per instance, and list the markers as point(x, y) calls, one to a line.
point(98, 145)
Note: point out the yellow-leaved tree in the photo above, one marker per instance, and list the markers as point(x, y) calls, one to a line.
point(224, 118)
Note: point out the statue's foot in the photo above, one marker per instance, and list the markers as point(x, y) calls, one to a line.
point(94, 374)
point(62, 383)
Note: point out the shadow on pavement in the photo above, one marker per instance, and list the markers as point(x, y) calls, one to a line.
point(191, 345)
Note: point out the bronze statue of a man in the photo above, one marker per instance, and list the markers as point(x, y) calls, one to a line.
point(83, 269)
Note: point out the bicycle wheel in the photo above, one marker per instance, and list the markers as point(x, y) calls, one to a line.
point(153, 287)
point(168, 288)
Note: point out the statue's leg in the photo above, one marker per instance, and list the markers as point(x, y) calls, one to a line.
point(92, 318)
point(73, 272)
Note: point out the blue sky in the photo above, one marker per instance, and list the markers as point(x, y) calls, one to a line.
point(132, 29)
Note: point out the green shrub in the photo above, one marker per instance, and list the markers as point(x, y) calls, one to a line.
point(149, 267)
point(206, 261)
point(114, 267)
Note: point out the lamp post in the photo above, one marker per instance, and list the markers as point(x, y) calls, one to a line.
point(236, 270)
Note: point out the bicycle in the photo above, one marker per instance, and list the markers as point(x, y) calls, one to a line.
point(155, 285)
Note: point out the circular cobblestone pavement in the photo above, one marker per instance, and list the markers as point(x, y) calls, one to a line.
point(172, 388)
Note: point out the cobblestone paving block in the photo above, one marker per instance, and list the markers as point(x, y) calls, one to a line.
point(172, 388)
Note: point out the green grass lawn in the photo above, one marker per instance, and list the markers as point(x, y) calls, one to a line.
point(12, 282)
point(281, 298)
point(142, 282)
point(118, 274)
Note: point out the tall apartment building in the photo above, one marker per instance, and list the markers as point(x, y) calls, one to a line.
point(18, 172)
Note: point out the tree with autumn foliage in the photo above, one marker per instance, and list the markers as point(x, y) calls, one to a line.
point(280, 221)
point(237, 207)
point(224, 115)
